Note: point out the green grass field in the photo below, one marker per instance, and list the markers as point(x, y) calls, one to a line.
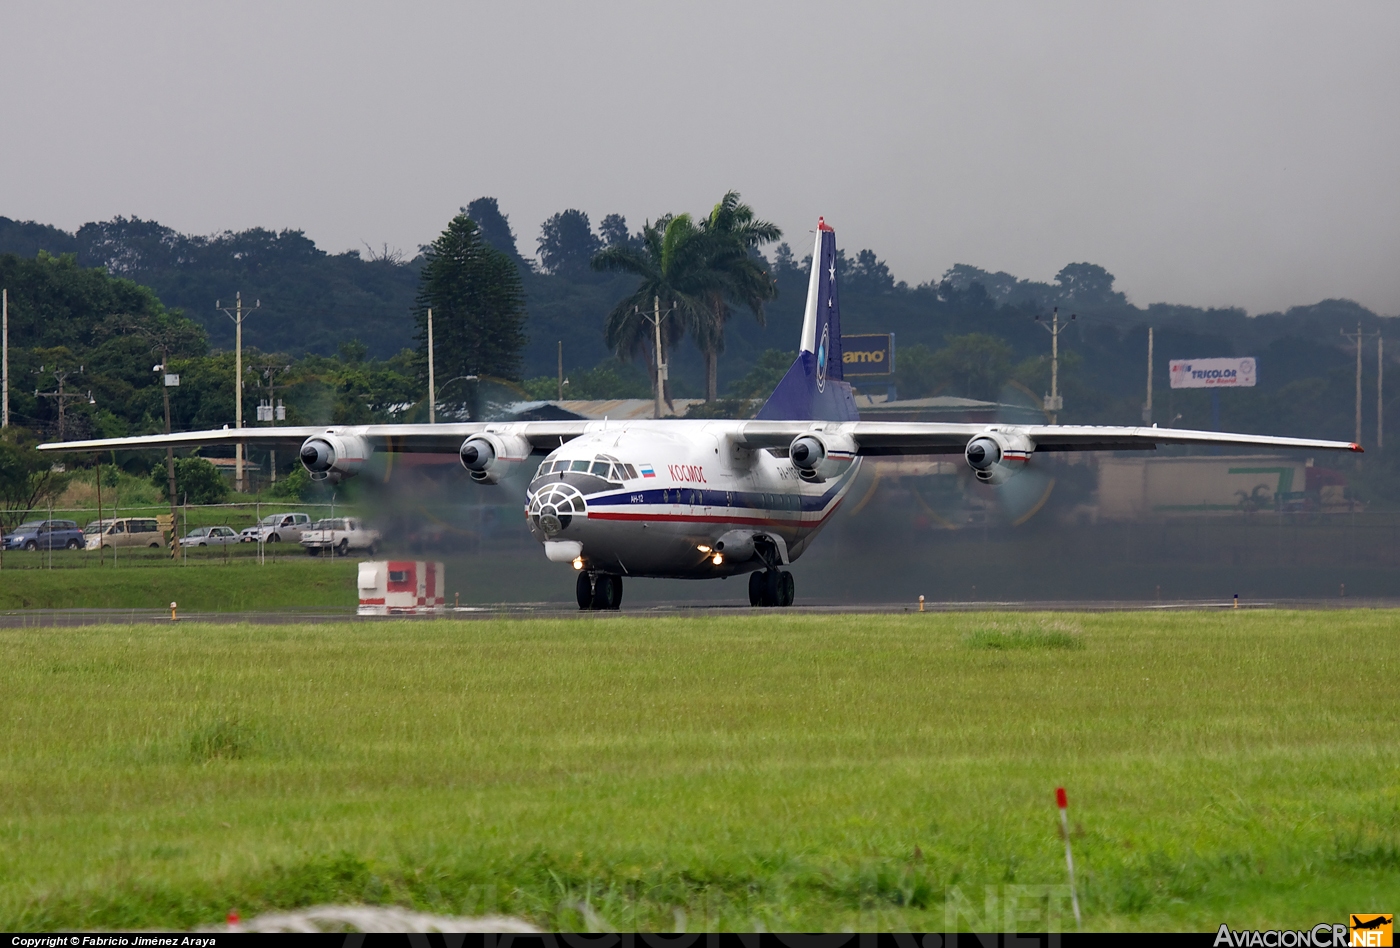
point(205, 582)
point(783, 771)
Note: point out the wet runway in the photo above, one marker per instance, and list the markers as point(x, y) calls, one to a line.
point(58, 618)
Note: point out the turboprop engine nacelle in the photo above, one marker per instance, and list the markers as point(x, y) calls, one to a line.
point(489, 456)
point(818, 455)
point(334, 457)
point(996, 457)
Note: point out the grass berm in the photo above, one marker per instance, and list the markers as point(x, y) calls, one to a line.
point(785, 771)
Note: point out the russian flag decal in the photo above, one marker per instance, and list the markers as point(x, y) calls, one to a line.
point(646, 470)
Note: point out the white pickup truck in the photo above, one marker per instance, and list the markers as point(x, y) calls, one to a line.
point(340, 536)
point(276, 528)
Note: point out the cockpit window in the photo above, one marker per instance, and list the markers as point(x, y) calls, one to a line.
point(607, 468)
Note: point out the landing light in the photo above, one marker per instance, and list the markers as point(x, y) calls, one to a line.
point(578, 562)
point(717, 559)
point(703, 548)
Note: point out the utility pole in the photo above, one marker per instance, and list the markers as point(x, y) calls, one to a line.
point(62, 397)
point(162, 340)
point(1054, 404)
point(1359, 338)
point(1147, 408)
point(1380, 391)
point(5, 358)
point(237, 317)
point(561, 370)
point(432, 380)
point(269, 412)
point(168, 381)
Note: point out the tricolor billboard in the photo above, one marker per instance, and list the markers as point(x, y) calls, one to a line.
point(1213, 373)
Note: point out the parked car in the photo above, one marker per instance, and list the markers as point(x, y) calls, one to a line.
point(275, 528)
point(45, 535)
point(210, 536)
point(124, 531)
point(340, 535)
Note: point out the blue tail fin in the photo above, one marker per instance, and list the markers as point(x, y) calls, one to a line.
point(814, 388)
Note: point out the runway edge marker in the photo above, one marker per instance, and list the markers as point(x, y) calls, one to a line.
point(1062, 801)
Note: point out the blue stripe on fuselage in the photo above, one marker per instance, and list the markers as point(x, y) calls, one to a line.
point(708, 497)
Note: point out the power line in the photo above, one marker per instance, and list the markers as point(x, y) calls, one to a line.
point(62, 397)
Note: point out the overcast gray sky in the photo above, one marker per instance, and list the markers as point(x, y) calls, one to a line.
point(1209, 153)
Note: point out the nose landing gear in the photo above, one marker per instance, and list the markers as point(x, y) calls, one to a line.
point(771, 587)
point(598, 591)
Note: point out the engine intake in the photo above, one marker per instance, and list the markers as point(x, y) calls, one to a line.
point(982, 454)
point(489, 456)
point(334, 456)
point(996, 458)
point(818, 455)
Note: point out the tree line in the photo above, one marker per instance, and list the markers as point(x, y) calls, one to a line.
point(342, 337)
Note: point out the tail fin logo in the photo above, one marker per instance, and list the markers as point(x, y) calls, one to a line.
point(821, 358)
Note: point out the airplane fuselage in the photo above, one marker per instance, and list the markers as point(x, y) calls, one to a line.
point(676, 499)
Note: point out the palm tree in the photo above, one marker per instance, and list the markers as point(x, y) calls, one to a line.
point(735, 236)
point(673, 263)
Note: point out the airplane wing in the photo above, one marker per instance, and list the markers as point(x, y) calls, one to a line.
point(876, 438)
point(419, 439)
point(872, 438)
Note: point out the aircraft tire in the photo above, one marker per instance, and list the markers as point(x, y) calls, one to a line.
point(787, 589)
point(756, 588)
point(772, 587)
point(583, 591)
point(607, 592)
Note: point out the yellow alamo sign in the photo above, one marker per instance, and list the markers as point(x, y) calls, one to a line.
point(867, 354)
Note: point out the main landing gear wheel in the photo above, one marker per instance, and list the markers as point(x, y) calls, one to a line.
point(599, 592)
point(771, 587)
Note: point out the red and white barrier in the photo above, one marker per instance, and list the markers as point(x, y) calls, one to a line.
point(401, 587)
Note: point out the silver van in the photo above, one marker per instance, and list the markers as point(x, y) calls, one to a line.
point(125, 531)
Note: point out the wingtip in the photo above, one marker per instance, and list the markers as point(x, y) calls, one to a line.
point(1357, 448)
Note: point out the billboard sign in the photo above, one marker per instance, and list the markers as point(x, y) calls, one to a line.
point(867, 354)
point(1213, 373)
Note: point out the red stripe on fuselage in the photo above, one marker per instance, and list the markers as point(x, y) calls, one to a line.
point(746, 521)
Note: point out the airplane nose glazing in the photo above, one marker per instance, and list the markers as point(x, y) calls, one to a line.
point(553, 508)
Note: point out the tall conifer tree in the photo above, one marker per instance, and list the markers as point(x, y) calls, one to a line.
point(478, 305)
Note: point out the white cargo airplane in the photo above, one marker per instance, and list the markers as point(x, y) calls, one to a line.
point(700, 499)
